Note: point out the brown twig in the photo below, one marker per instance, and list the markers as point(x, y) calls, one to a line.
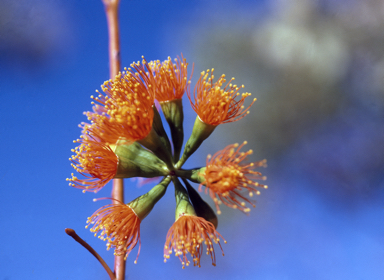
point(74, 235)
point(111, 10)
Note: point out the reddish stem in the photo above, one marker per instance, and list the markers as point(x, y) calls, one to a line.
point(111, 10)
point(118, 194)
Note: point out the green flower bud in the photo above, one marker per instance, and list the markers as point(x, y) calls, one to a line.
point(200, 132)
point(144, 204)
point(202, 208)
point(173, 112)
point(135, 161)
point(159, 128)
point(153, 142)
point(183, 205)
point(195, 175)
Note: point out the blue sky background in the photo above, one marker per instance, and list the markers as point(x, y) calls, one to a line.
point(317, 69)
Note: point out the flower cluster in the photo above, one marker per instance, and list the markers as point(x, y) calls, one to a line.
point(125, 138)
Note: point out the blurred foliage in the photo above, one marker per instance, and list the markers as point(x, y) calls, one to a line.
point(32, 31)
point(317, 70)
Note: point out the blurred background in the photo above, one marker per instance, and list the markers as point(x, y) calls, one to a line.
point(317, 70)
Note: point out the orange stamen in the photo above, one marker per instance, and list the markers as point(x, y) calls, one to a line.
point(119, 226)
point(188, 235)
point(216, 105)
point(226, 175)
point(170, 79)
point(125, 111)
point(94, 160)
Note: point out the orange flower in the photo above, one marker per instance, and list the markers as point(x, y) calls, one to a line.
point(125, 111)
point(94, 160)
point(170, 80)
point(119, 225)
point(188, 235)
point(226, 175)
point(215, 105)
